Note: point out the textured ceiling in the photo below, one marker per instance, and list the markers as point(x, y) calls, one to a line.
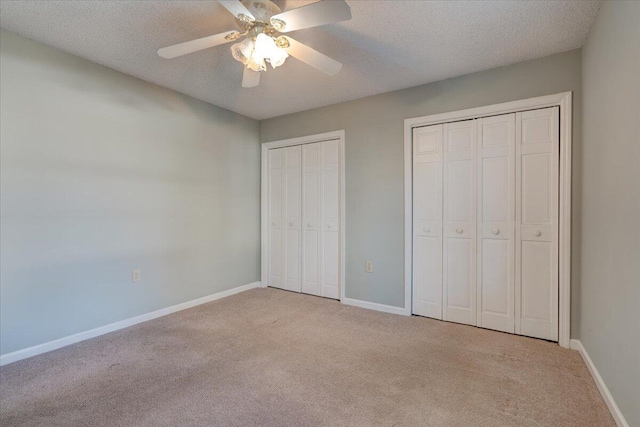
point(388, 45)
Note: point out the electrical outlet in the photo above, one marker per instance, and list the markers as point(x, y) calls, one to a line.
point(368, 266)
point(136, 275)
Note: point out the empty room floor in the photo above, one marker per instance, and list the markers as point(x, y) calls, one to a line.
point(271, 357)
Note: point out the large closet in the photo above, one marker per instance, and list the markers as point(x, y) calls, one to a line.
point(303, 198)
point(485, 222)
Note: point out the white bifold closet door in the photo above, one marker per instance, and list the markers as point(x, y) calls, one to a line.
point(485, 222)
point(537, 186)
point(321, 219)
point(496, 219)
point(304, 218)
point(459, 222)
point(284, 218)
point(427, 221)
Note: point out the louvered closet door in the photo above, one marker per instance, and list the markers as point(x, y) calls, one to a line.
point(459, 222)
point(427, 221)
point(496, 206)
point(284, 218)
point(537, 157)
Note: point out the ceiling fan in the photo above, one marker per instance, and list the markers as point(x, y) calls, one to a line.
point(261, 23)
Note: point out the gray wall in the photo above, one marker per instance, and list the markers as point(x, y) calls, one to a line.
point(102, 173)
point(374, 158)
point(609, 326)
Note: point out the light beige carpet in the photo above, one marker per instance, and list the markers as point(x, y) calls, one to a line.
point(274, 358)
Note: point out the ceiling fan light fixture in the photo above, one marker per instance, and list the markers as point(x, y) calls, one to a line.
point(242, 51)
point(267, 48)
point(253, 54)
point(278, 60)
point(246, 53)
point(259, 40)
point(256, 64)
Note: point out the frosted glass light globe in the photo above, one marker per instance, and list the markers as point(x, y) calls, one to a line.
point(254, 54)
point(267, 49)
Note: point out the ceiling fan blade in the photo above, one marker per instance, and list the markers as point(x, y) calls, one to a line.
point(313, 15)
point(195, 45)
point(250, 78)
point(237, 9)
point(312, 57)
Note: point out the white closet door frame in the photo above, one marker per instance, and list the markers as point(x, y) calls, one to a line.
point(562, 100)
point(264, 204)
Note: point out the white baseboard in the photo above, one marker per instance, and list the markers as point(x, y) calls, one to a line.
point(375, 306)
point(604, 390)
point(81, 336)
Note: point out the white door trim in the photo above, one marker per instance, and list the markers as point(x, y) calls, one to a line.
point(562, 100)
point(264, 241)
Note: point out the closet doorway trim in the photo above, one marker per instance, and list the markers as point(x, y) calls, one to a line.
point(338, 135)
point(562, 100)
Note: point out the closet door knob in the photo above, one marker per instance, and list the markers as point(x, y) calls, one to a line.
point(328, 225)
point(495, 231)
point(426, 230)
point(309, 224)
point(290, 224)
point(459, 230)
point(273, 223)
point(538, 233)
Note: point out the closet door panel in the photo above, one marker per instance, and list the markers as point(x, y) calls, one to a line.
point(459, 299)
point(275, 200)
point(497, 295)
point(292, 206)
point(536, 185)
point(310, 270)
point(536, 284)
point(496, 206)
point(330, 221)
point(537, 158)
point(496, 175)
point(459, 181)
point(427, 273)
point(331, 270)
point(427, 221)
point(311, 246)
point(459, 265)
